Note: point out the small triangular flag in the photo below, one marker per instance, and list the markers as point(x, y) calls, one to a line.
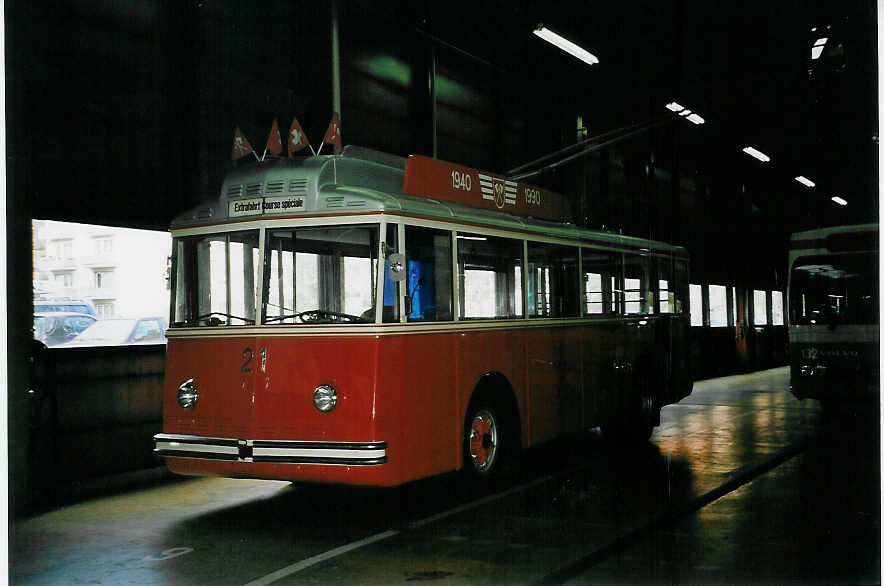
point(333, 134)
point(274, 142)
point(241, 146)
point(296, 139)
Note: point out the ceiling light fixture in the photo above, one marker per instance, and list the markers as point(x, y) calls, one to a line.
point(565, 45)
point(839, 200)
point(756, 153)
point(687, 113)
point(818, 47)
point(805, 181)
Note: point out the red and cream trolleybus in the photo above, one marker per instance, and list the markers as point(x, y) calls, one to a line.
point(369, 319)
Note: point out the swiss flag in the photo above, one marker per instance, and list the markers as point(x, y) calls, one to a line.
point(297, 139)
point(333, 134)
point(274, 142)
point(241, 146)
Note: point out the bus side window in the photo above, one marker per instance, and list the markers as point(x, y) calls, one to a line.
point(665, 285)
point(680, 285)
point(636, 285)
point(428, 296)
point(600, 273)
point(490, 276)
point(552, 280)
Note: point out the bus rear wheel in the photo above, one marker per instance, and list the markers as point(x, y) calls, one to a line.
point(487, 442)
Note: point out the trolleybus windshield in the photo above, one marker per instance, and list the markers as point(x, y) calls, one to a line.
point(324, 274)
point(835, 289)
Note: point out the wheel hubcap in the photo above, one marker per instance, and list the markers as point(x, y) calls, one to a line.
point(483, 441)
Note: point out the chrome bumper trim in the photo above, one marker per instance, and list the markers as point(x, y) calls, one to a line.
point(277, 451)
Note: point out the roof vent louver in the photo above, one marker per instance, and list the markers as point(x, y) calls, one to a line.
point(273, 187)
point(253, 189)
point(234, 190)
point(334, 201)
point(298, 186)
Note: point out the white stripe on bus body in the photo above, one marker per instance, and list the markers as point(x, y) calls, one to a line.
point(199, 448)
point(319, 453)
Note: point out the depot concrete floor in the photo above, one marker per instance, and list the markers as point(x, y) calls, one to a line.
point(740, 483)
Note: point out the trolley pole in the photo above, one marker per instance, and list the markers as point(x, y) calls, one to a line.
point(336, 60)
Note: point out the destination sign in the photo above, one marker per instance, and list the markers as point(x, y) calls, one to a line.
point(260, 206)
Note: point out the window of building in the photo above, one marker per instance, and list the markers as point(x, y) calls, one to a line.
point(64, 279)
point(490, 274)
point(428, 296)
point(104, 309)
point(102, 245)
point(717, 306)
point(103, 279)
point(63, 249)
point(759, 300)
point(552, 280)
point(600, 273)
point(776, 306)
point(696, 297)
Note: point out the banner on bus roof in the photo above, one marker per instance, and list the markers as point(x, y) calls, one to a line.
point(428, 177)
point(265, 206)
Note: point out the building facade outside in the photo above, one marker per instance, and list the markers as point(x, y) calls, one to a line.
point(123, 272)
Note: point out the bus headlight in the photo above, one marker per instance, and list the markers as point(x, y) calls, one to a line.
point(325, 398)
point(187, 394)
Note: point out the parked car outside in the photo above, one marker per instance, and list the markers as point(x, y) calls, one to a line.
point(58, 327)
point(64, 304)
point(119, 331)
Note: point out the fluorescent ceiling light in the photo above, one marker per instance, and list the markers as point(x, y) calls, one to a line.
point(818, 47)
point(804, 180)
point(565, 45)
point(461, 237)
point(675, 106)
point(696, 118)
point(839, 200)
point(684, 112)
point(757, 154)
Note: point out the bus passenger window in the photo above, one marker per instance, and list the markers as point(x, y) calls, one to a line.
point(636, 285)
point(428, 296)
point(552, 280)
point(665, 286)
point(490, 275)
point(601, 270)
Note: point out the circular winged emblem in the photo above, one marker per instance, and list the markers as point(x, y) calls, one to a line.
point(498, 193)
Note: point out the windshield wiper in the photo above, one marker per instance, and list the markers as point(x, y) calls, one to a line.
point(320, 316)
point(211, 320)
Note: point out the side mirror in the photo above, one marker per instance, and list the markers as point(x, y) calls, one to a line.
point(396, 267)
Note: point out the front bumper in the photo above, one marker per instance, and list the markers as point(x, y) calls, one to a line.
point(274, 451)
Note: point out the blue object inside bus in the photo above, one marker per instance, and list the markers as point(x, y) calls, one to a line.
point(420, 289)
